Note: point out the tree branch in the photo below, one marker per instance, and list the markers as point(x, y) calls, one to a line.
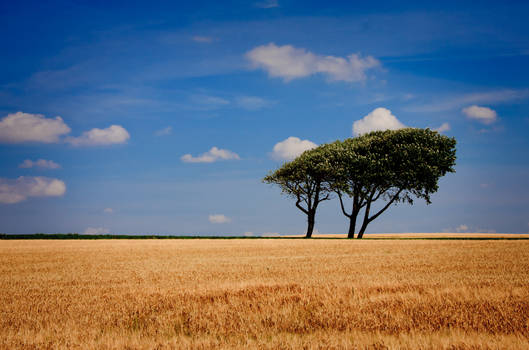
point(385, 207)
point(341, 205)
point(300, 207)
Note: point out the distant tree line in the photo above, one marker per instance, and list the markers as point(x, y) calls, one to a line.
point(391, 167)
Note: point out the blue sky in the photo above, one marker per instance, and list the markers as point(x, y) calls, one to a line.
point(171, 113)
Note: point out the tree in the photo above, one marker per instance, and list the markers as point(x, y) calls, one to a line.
point(305, 180)
point(392, 165)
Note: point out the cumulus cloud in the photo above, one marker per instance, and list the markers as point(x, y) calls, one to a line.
point(108, 210)
point(41, 163)
point(483, 115)
point(291, 147)
point(444, 127)
point(290, 63)
point(164, 132)
point(114, 134)
point(213, 155)
point(379, 119)
point(252, 103)
point(18, 190)
point(96, 231)
point(218, 219)
point(25, 127)
point(202, 39)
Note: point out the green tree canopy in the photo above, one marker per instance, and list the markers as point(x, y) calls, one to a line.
point(305, 180)
point(393, 166)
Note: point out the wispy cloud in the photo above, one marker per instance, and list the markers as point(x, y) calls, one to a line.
point(219, 219)
point(203, 39)
point(213, 155)
point(164, 132)
point(252, 103)
point(288, 62)
point(267, 4)
point(96, 231)
point(457, 102)
point(40, 163)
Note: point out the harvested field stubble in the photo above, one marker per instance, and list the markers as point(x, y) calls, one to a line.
point(264, 293)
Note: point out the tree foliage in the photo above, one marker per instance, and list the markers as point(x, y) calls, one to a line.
point(305, 180)
point(392, 166)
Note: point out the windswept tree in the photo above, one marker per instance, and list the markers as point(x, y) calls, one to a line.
point(305, 180)
point(393, 166)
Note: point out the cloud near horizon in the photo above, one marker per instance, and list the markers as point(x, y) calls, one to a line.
point(96, 231)
point(17, 190)
point(379, 119)
point(290, 63)
point(218, 219)
point(213, 155)
point(291, 147)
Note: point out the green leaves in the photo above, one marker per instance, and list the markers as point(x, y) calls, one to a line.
point(394, 165)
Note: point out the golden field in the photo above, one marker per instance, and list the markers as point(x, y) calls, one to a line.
point(264, 293)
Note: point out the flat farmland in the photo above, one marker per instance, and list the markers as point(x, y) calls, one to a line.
point(264, 293)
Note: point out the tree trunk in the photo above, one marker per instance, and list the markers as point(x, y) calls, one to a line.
point(362, 230)
point(310, 224)
point(352, 224)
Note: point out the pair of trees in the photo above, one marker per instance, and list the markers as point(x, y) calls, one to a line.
point(393, 166)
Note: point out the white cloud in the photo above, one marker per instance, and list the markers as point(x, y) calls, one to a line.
point(114, 134)
point(290, 63)
point(213, 155)
point(267, 4)
point(462, 228)
point(203, 39)
point(108, 210)
point(209, 102)
point(165, 131)
point(379, 119)
point(291, 148)
point(96, 231)
point(444, 127)
point(248, 234)
point(18, 190)
point(218, 219)
point(41, 163)
point(252, 103)
point(25, 127)
point(483, 115)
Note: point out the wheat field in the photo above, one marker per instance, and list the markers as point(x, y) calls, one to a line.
point(268, 294)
